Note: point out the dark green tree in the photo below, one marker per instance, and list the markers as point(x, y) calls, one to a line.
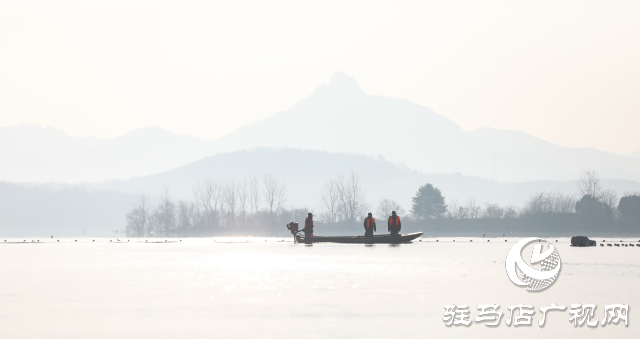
point(629, 208)
point(428, 202)
point(593, 211)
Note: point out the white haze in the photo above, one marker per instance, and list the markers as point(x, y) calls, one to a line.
point(564, 71)
point(337, 117)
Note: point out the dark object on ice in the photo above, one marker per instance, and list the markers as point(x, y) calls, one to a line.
point(609, 245)
point(376, 239)
point(617, 245)
point(293, 228)
point(581, 241)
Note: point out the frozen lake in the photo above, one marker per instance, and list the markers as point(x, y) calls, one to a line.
point(229, 288)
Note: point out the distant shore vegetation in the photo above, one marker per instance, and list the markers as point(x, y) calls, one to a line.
point(257, 207)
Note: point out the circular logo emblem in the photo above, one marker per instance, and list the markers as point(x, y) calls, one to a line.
point(535, 278)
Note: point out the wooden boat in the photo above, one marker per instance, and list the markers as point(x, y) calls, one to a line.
point(376, 239)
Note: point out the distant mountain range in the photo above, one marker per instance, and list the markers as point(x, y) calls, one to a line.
point(37, 154)
point(305, 172)
point(338, 118)
point(99, 209)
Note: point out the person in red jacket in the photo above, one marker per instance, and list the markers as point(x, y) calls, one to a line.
point(308, 227)
point(369, 225)
point(394, 223)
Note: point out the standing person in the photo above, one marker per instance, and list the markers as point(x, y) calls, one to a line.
point(308, 227)
point(369, 225)
point(394, 223)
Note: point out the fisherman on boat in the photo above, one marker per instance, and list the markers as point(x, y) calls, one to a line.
point(308, 227)
point(394, 225)
point(369, 225)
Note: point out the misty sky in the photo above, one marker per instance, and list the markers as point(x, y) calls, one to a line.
point(564, 71)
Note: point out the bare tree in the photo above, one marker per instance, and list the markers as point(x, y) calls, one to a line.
point(275, 195)
point(186, 211)
point(589, 184)
point(254, 194)
point(330, 201)
point(138, 217)
point(231, 200)
point(455, 211)
point(165, 213)
point(472, 208)
point(609, 197)
point(511, 212)
point(562, 203)
point(352, 197)
point(243, 195)
point(386, 206)
point(204, 194)
point(545, 203)
point(218, 200)
point(493, 211)
point(538, 203)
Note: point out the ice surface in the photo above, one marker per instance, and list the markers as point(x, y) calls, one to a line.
point(252, 288)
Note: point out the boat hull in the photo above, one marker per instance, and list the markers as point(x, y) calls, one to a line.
point(376, 239)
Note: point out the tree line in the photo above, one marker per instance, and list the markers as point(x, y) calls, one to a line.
point(257, 207)
point(215, 206)
point(592, 209)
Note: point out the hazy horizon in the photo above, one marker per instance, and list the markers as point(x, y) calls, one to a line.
point(222, 168)
point(564, 72)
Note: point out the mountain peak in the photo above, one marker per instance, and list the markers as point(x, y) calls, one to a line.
point(344, 83)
